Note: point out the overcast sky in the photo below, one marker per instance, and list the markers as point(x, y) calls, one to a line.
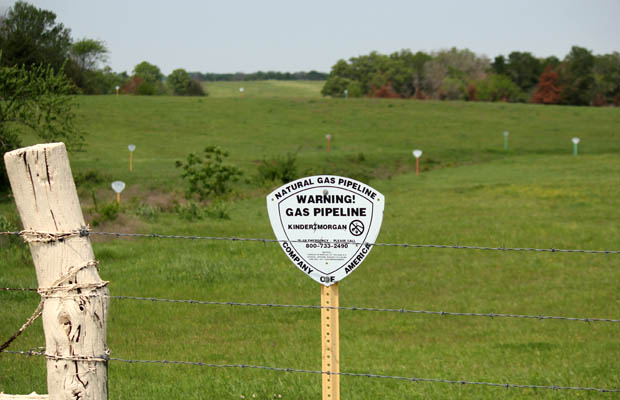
point(289, 35)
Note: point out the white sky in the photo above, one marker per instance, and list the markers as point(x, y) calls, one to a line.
point(290, 35)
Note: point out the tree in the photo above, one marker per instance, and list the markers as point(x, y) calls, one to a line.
point(30, 36)
point(499, 65)
point(461, 66)
point(35, 100)
point(497, 87)
point(149, 72)
point(606, 72)
point(547, 90)
point(576, 77)
point(150, 77)
point(524, 69)
point(181, 84)
point(339, 79)
point(88, 53)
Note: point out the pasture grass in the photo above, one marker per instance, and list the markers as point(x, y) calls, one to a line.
point(471, 192)
point(263, 89)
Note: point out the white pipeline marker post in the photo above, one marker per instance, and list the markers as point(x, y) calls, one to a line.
point(118, 187)
point(329, 138)
point(117, 88)
point(75, 298)
point(132, 148)
point(417, 154)
point(575, 144)
point(325, 225)
point(506, 134)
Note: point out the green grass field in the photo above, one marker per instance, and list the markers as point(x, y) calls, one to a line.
point(263, 89)
point(470, 192)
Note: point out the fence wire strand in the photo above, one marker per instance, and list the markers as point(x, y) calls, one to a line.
point(86, 232)
point(394, 310)
point(311, 306)
point(351, 374)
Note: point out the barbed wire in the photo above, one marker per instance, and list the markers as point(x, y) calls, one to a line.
point(86, 232)
point(396, 310)
point(311, 306)
point(352, 374)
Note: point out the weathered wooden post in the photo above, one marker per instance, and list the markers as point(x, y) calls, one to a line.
point(75, 298)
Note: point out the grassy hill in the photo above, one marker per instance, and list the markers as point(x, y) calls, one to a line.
point(263, 89)
point(471, 192)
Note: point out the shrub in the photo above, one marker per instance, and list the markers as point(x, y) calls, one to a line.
point(206, 174)
point(190, 211)
point(282, 169)
point(497, 88)
point(105, 213)
point(90, 177)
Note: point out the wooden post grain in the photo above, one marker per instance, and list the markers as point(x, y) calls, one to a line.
point(76, 299)
point(330, 342)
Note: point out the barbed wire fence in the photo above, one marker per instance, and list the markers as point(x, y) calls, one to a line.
point(31, 236)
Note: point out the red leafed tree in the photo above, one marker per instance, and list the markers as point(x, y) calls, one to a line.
point(547, 91)
point(131, 86)
point(471, 92)
point(385, 91)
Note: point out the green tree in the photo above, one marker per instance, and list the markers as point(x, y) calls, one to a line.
point(499, 65)
point(150, 78)
point(149, 72)
point(35, 100)
point(606, 72)
point(88, 53)
point(524, 69)
point(497, 87)
point(576, 77)
point(182, 84)
point(30, 36)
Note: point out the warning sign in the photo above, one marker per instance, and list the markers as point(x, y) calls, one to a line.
point(325, 224)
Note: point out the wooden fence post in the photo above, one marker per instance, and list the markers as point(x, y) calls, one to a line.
point(76, 300)
point(330, 332)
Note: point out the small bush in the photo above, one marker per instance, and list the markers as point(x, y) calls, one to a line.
point(218, 210)
point(191, 211)
point(90, 177)
point(146, 211)
point(105, 213)
point(283, 169)
point(206, 174)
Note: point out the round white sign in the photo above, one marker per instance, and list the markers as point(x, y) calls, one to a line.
point(328, 137)
point(325, 224)
point(131, 147)
point(117, 87)
point(506, 133)
point(118, 186)
point(417, 153)
point(575, 140)
point(241, 90)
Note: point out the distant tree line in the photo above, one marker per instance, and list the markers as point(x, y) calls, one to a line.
point(261, 76)
point(30, 38)
point(581, 78)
